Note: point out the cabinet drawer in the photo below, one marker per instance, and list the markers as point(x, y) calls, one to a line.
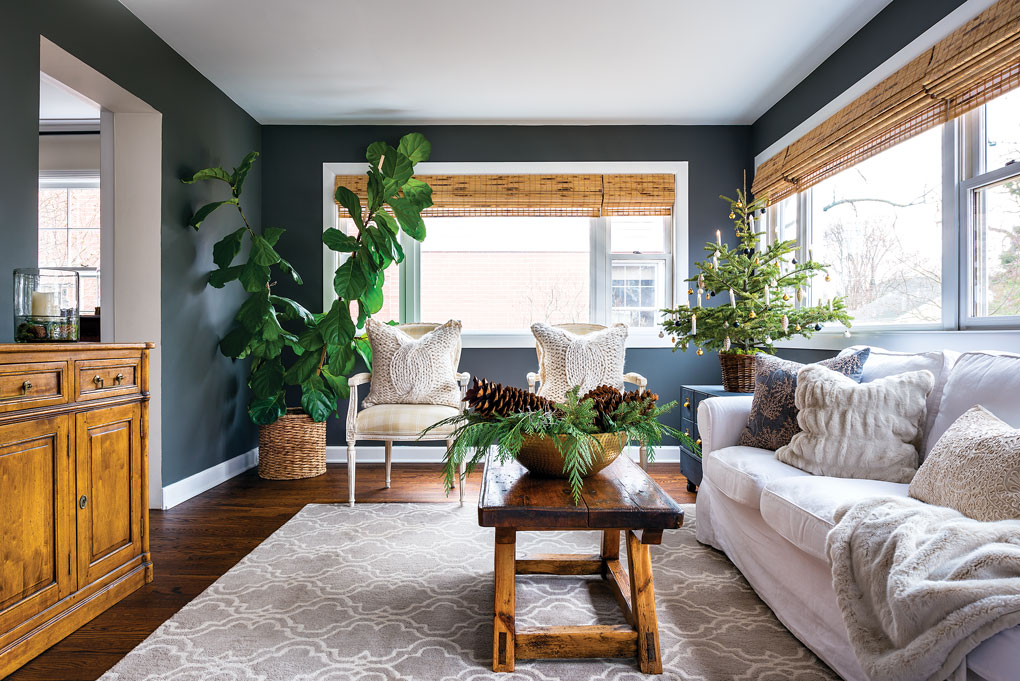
point(690, 428)
point(99, 378)
point(686, 403)
point(35, 384)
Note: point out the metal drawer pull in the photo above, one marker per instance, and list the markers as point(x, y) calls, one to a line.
point(26, 386)
point(83, 501)
point(698, 442)
point(687, 403)
point(118, 378)
point(98, 380)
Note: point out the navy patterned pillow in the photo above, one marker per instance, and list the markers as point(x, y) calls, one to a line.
point(773, 418)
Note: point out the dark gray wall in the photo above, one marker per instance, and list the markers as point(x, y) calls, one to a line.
point(292, 172)
point(882, 37)
point(204, 422)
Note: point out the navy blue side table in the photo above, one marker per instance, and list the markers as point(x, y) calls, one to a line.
point(690, 397)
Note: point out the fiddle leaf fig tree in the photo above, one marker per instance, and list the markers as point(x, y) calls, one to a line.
point(325, 346)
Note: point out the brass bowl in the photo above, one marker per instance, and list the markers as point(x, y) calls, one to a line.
point(539, 454)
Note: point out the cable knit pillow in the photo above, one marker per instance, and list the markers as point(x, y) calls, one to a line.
point(589, 361)
point(858, 430)
point(974, 468)
point(409, 371)
point(773, 418)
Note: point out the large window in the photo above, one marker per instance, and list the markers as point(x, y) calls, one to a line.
point(69, 231)
point(925, 234)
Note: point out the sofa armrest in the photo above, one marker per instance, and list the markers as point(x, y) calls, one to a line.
point(721, 420)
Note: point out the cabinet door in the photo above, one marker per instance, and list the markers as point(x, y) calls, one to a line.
point(109, 461)
point(36, 518)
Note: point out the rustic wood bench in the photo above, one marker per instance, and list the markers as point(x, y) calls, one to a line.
point(620, 498)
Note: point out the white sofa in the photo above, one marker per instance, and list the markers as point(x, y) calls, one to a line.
point(771, 519)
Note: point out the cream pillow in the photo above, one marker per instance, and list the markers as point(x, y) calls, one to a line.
point(589, 361)
point(974, 468)
point(858, 430)
point(413, 371)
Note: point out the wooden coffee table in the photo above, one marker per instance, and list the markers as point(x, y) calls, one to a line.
point(621, 498)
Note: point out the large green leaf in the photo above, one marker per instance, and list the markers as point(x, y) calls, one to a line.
point(267, 379)
point(209, 174)
point(409, 217)
point(415, 147)
point(267, 410)
point(375, 151)
point(227, 248)
point(384, 220)
point(418, 193)
point(349, 200)
point(235, 343)
point(241, 172)
point(397, 167)
point(375, 190)
point(373, 297)
point(220, 278)
point(317, 399)
point(303, 368)
point(254, 310)
point(336, 240)
point(254, 277)
point(376, 246)
point(311, 339)
point(205, 211)
point(341, 359)
point(288, 269)
point(337, 327)
point(290, 309)
point(338, 384)
point(273, 234)
point(364, 349)
point(349, 281)
point(262, 252)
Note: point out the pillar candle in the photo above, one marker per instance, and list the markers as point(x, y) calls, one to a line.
point(699, 297)
point(694, 324)
point(44, 304)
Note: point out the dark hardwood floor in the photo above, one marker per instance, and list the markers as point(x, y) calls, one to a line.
point(196, 542)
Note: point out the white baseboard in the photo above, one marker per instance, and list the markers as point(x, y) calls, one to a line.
point(434, 454)
point(205, 480)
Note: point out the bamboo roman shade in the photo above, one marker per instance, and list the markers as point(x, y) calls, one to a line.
point(976, 63)
point(576, 195)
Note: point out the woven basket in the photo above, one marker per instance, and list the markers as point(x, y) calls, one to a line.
point(737, 372)
point(539, 454)
point(293, 447)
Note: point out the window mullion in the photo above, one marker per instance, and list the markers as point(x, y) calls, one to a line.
point(601, 273)
point(953, 226)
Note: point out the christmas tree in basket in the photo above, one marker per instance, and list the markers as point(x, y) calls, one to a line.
point(761, 292)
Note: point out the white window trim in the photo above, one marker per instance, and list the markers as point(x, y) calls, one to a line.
point(638, 338)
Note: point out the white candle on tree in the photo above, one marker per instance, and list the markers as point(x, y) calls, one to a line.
point(733, 298)
point(718, 238)
point(694, 324)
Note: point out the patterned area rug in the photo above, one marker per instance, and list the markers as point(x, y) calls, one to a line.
point(404, 591)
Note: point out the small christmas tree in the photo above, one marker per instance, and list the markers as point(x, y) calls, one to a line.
point(759, 289)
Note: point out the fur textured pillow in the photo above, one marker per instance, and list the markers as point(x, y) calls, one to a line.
point(858, 430)
point(974, 468)
point(589, 361)
point(409, 371)
point(773, 418)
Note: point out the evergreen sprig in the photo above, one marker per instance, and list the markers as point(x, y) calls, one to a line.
point(768, 285)
point(572, 426)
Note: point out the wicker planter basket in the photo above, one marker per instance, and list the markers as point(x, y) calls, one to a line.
point(293, 447)
point(737, 372)
point(539, 454)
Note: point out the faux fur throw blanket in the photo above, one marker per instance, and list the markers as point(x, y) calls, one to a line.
point(920, 586)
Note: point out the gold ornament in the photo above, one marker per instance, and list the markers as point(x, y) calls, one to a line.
point(690, 291)
point(700, 352)
point(732, 216)
point(752, 315)
point(739, 204)
point(757, 261)
point(828, 278)
point(786, 296)
point(797, 327)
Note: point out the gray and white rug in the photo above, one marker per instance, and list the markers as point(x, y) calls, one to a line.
point(385, 592)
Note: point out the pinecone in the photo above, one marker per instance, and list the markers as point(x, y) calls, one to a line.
point(487, 399)
point(606, 399)
point(646, 396)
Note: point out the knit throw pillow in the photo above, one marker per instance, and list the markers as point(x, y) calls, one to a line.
point(409, 371)
point(773, 418)
point(974, 468)
point(858, 430)
point(570, 360)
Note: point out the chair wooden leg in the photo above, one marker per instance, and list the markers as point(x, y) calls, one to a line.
point(389, 461)
point(350, 473)
point(644, 457)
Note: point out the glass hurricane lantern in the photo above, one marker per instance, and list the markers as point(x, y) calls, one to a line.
point(45, 305)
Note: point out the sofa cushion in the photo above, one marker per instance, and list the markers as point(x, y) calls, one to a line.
point(991, 379)
point(882, 363)
point(802, 509)
point(742, 472)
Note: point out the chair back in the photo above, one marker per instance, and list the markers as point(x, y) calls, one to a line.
point(418, 329)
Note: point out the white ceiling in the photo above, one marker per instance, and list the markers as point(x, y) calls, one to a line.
point(59, 102)
point(524, 61)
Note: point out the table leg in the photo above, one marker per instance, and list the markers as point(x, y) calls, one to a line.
point(642, 597)
point(610, 544)
point(503, 621)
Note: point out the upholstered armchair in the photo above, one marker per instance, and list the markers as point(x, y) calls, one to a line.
point(534, 378)
point(397, 422)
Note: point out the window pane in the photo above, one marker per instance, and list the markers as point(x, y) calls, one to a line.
point(638, 234)
point(69, 236)
point(1002, 130)
point(997, 250)
point(638, 292)
point(878, 225)
point(390, 311)
point(503, 273)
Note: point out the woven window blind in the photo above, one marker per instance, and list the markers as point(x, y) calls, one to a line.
point(974, 64)
point(577, 195)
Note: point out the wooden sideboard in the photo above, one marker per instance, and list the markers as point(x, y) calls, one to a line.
point(74, 521)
